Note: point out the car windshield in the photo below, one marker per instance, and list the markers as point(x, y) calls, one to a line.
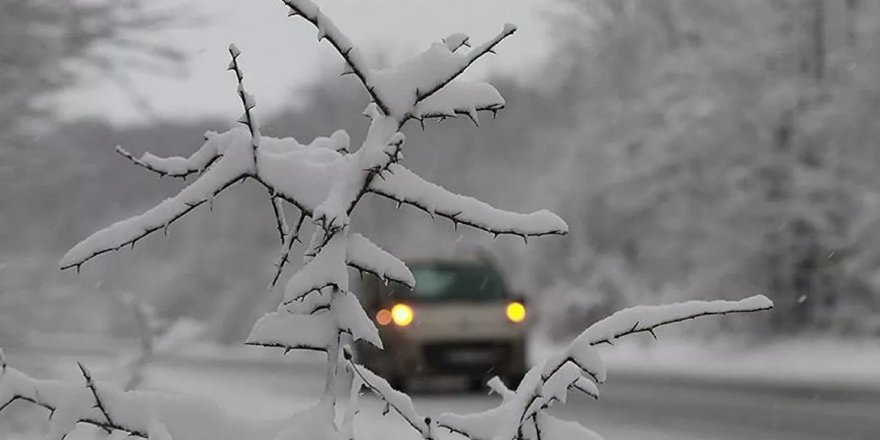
point(456, 281)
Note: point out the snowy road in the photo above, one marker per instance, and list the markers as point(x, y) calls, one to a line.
point(630, 408)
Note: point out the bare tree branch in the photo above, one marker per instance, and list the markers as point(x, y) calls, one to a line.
point(291, 237)
point(247, 100)
point(90, 384)
point(280, 219)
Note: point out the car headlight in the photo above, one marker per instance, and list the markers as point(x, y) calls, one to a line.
point(516, 312)
point(402, 315)
point(383, 317)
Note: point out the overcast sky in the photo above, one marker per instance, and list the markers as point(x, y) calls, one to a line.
point(280, 53)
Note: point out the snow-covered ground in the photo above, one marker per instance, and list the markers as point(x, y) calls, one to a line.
point(656, 390)
point(803, 362)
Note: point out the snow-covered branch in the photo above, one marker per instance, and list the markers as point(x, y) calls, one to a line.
point(328, 30)
point(175, 166)
point(236, 164)
point(326, 270)
point(293, 332)
point(394, 399)
point(578, 367)
point(641, 319)
point(460, 98)
point(365, 256)
point(447, 72)
point(308, 324)
point(400, 91)
point(405, 187)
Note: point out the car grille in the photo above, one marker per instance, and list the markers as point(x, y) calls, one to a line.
point(464, 357)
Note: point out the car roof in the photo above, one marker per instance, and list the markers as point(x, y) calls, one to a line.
point(475, 257)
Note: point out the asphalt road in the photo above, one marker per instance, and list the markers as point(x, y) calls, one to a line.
point(631, 407)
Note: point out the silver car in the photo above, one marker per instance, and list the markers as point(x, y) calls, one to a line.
point(461, 319)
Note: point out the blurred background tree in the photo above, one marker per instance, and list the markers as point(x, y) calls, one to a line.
point(45, 47)
point(721, 150)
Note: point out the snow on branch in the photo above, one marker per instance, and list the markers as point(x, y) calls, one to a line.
point(352, 319)
point(436, 68)
point(326, 269)
point(416, 80)
point(398, 91)
point(641, 319)
point(405, 187)
point(447, 73)
point(293, 332)
point(177, 166)
point(579, 367)
point(298, 174)
point(380, 149)
point(365, 256)
point(308, 325)
point(394, 399)
point(328, 30)
point(236, 164)
point(460, 98)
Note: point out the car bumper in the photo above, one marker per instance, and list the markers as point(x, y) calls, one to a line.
point(408, 356)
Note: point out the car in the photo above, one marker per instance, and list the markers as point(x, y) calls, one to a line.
point(461, 319)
